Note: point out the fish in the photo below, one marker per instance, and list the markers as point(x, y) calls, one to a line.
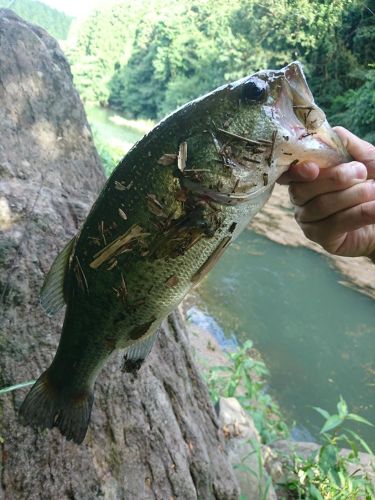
point(164, 218)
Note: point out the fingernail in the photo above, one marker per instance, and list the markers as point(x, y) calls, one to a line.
point(359, 170)
point(308, 170)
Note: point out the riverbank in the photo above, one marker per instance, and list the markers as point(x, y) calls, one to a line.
point(268, 470)
point(276, 222)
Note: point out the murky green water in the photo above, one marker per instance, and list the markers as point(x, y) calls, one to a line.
point(117, 135)
point(317, 337)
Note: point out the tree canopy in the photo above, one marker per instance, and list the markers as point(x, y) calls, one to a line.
point(145, 58)
point(55, 22)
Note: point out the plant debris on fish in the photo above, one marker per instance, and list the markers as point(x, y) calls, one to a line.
point(162, 221)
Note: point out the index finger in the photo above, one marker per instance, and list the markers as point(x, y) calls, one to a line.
point(359, 149)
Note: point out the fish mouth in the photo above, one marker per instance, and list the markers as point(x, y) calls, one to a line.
point(225, 198)
point(303, 133)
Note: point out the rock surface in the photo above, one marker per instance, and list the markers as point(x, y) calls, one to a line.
point(244, 450)
point(155, 436)
point(276, 221)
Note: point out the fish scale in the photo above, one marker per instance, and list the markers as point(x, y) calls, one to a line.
point(162, 221)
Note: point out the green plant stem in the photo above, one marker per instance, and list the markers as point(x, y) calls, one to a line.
point(16, 386)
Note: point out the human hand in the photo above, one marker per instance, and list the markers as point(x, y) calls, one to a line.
point(335, 206)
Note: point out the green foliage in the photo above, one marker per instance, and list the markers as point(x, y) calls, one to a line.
point(99, 45)
point(355, 109)
point(55, 22)
point(147, 58)
point(245, 378)
point(328, 474)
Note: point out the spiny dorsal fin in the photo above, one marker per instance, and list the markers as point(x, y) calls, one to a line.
point(52, 293)
point(137, 353)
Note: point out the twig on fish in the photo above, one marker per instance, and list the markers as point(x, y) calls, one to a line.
point(155, 206)
point(120, 186)
point(134, 233)
point(182, 156)
point(266, 142)
point(251, 159)
point(265, 179)
point(124, 288)
point(306, 135)
point(216, 143)
point(171, 281)
point(102, 233)
point(112, 264)
point(122, 291)
point(122, 214)
point(240, 137)
point(269, 159)
point(302, 107)
point(235, 186)
point(81, 278)
point(197, 170)
point(167, 159)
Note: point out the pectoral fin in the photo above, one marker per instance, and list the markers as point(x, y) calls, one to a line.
point(137, 353)
point(52, 294)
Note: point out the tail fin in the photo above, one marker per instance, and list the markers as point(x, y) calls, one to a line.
point(45, 408)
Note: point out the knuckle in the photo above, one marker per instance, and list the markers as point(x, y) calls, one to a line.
point(367, 213)
point(309, 231)
point(294, 193)
point(321, 204)
point(366, 191)
point(339, 176)
point(343, 175)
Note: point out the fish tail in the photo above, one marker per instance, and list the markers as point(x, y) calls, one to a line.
point(44, 408)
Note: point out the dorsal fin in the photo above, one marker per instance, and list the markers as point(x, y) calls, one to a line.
point(52, 294)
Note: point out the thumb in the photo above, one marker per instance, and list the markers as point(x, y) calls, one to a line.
point(359, 149)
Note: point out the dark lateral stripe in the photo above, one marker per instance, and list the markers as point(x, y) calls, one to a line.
point(211, 261)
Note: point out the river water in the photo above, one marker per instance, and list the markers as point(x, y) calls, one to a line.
point(316, 336)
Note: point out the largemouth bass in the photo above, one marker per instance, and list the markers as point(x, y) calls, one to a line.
point(162, 221)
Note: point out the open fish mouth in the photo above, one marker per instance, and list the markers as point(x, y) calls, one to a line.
point(303, 131)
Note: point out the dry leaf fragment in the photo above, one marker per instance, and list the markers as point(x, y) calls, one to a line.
point(182, 156)
point(122, 214)
point(171, 281)
point(167, 159)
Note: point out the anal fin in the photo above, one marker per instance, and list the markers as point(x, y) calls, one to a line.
point(52, 294)
point(137, 353)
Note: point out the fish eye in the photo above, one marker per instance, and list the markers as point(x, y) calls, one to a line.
point(254, 90)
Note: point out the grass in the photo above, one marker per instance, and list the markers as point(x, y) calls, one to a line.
point(328, 474)
point(245, 378)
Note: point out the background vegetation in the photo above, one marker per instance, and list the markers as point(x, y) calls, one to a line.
point(146, 58)
point(55, 22)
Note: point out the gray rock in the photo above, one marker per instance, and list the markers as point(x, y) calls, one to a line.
point(245, 451)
